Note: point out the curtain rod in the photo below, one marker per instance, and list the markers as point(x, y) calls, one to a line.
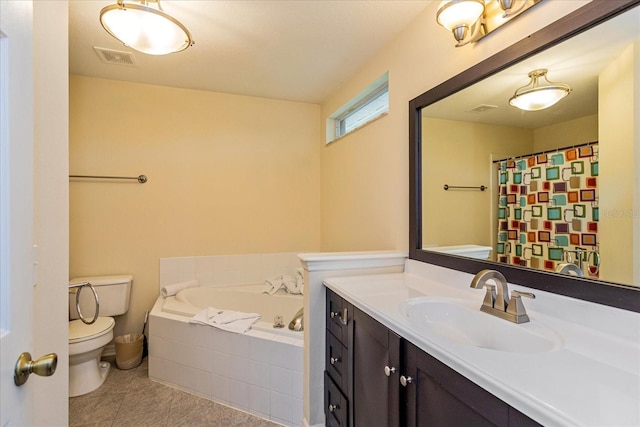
point(546, 151)
point(141, 178)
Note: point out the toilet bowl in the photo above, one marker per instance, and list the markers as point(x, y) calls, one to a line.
point(86, 341)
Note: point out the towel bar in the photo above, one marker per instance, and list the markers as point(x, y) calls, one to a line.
point(481, 188)
point(141, 179)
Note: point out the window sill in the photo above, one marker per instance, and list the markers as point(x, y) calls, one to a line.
point(357, 129)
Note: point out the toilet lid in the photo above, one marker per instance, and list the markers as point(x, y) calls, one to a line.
point(79, 331)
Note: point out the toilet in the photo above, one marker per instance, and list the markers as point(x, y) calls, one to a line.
point(86, 342)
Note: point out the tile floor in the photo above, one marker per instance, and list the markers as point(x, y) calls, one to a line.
point(130, 398)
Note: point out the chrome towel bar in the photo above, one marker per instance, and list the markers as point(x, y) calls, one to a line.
point(481, 188)
point(141, 178)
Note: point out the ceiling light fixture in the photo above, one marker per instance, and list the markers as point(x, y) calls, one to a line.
point(534, 97)
point(470, 20)
point(145, 28)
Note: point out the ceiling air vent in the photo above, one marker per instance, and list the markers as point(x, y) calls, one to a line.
point(482, 108)
point(117, 57)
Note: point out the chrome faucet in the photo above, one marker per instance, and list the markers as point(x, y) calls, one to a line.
point(497, 300)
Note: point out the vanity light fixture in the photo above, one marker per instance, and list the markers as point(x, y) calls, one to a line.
point(470, 20)
point(460, 17)
point(145, 28)
point(534, 97)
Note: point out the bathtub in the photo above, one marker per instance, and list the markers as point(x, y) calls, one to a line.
point(259, 372)
point(246, 298)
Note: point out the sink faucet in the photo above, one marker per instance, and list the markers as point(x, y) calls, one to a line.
point(497, 301)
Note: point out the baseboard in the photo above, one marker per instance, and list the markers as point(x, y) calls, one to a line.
point(305, 423)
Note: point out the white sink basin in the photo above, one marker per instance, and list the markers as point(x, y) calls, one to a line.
point(457, 321)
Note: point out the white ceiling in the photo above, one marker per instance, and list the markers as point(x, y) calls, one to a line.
point(299, 50)
point(577, 62)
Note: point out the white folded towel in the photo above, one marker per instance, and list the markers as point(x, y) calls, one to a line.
point(300, 279)
point(229, 320)
point(282, 281)
point(293, 287)
point(170, 290)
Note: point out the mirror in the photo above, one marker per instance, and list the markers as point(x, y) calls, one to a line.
point(495, 187)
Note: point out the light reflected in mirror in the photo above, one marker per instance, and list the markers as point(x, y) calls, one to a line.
point(561, 183)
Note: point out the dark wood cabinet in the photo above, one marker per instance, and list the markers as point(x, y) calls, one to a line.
point(338, 378)
point(382, 379)
point(336, 404)
point(446, 397)
point(376, 356)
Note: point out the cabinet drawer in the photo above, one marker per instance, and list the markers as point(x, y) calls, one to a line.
point(339, 315)
point(337, 361)
point(336, 406)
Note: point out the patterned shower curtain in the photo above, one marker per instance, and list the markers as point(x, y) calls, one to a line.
point(548, 210)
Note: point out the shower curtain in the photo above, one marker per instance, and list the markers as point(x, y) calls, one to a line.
point(548, 210)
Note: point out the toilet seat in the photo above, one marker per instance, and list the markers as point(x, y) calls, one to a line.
point(80, 331)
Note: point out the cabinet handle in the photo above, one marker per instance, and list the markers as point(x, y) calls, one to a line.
point(388, 371)
point(334, 360)
point(333, 407)
point(342, 319)
point(405, 380)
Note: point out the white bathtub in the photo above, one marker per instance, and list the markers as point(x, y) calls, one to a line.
point(259, 372)
point(245, 298)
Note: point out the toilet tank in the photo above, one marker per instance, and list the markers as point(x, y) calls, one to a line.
point(113, 294)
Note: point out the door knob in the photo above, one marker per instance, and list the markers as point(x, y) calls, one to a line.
point(44, 366)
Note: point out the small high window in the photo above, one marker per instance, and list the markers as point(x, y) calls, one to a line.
point(368, 105)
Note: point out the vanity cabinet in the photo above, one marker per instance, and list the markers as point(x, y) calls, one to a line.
point(376, 365)
point(338, 378)
point(436, 395)
point(382, 379)
point(372, 382)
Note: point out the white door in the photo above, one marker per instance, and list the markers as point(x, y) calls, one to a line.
point(17, 275)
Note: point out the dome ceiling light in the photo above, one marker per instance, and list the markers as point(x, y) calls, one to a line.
point(144, 28)
point(534, 97)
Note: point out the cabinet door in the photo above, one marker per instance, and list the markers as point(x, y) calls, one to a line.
point(375, 398)
point(439, 396)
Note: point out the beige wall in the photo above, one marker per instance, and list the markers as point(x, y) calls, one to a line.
point(228, 174)
point(619, 164)
point(459, 153)
point(365, 175)
point(565, 134)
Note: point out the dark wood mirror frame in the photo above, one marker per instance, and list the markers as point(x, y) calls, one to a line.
point(607, 293)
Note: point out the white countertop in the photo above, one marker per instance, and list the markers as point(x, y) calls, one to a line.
point(591, 379)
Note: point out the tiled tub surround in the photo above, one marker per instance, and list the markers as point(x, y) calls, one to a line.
point(226, 270)
point(260, 372)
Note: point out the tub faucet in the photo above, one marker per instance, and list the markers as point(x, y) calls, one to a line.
point(497, 301)
point(297, 323)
